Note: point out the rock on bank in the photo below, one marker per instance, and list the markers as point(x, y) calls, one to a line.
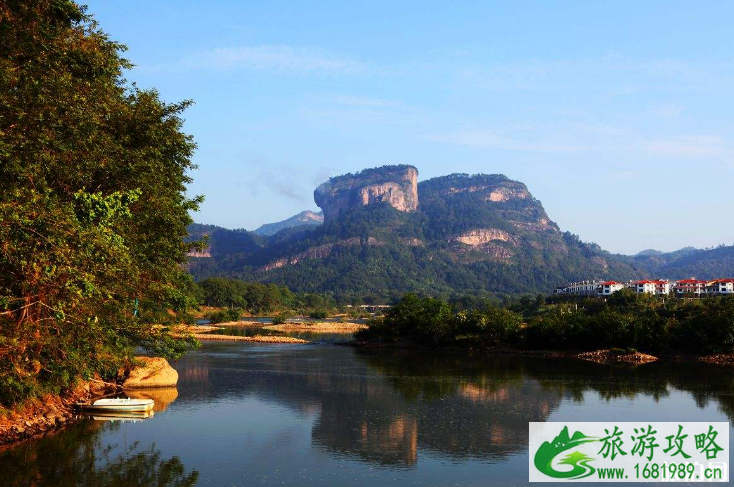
point(153, 372)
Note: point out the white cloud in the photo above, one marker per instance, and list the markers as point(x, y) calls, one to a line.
point(687, 146)
point(592, 139)
point(493, 140)
point(341, 109)
point(365, 101)
point(302, 60)
point(667, 111)
point(611, 75)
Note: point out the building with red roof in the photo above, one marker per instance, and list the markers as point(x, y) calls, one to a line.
point(692, 286)
point(720, 286)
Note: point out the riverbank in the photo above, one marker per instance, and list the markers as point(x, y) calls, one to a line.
point(613, 357)
point(48, 413)
point(44, 414)
point(256, 338)
point(319, 327)
point(602, 356)
point(243, 324)
point(202, 332)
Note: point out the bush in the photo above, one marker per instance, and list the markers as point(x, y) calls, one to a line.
point(225, 316)
point(629, 322)
point(279, 320)
point(317, 315)
point(434, 322)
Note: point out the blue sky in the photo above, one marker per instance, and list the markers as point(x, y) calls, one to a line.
point(618, 115)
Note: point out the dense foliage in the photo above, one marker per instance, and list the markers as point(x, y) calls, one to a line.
point(431, 321)
point(625, 320)
point(92, 208)
point(644, 322)
point(384, 253)
point(257, 298)
point(379, 251)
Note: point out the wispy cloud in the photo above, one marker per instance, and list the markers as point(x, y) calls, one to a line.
point(667, 111)
point(494, 140)
point(602, 139)
point(687, 146)
point(340, 109)
point(365, 101)
point(300, 60)
point(612, 74)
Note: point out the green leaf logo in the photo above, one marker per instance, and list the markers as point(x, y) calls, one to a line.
point(578, 461)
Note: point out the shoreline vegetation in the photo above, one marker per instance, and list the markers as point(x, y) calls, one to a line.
point(94, 210)
point(46, 413)
point(146, 377)
point(607, 331)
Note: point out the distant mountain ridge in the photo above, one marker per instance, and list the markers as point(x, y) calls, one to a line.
point(386, 234)
point(688, 262)
point(302, 219)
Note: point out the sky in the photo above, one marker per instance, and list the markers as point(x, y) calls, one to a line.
point(618, 115)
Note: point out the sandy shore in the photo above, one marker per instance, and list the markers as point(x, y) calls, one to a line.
point(607, 357)
point(256, 338)
point(319, 327)
point(201, 332)
point(244, 324)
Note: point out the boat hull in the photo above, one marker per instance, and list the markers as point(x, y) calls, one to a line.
point(120, 405)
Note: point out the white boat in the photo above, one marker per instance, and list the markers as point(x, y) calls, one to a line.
point(123, 404)
point(124, 416)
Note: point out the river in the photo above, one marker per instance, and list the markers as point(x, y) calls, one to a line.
point(328, 415)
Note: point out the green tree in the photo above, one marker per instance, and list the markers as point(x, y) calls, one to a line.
point(93, 212)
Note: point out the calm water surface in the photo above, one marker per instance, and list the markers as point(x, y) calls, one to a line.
point(327, 415)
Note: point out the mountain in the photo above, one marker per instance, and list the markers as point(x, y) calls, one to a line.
point(384, 234)
point(395, 185)
point(647, 253)
point(303, 219)
point(227, 249)
point(688, 262)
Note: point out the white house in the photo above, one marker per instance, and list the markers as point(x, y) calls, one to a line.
point(583, 288)
point(720, 286)
point(609, 287)
point(643, 287)
point(691, 286)
point(663, 286)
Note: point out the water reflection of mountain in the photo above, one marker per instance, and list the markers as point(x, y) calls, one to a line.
point(384, 416)
point(77, 457)
point(384, 407)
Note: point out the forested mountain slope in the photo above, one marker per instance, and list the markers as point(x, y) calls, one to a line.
point(453, 234)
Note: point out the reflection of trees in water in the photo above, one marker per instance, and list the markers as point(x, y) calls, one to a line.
point(463, 407)
point(76, 457)
point(568, 378)
point(509, 391)
point(703, 382)
point(384, 406)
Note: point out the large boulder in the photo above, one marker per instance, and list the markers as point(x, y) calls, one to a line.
point(154, 372)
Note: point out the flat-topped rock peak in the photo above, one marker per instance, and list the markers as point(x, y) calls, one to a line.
point(394, 185)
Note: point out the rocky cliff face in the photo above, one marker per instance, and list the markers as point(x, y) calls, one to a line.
point(394, 185)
